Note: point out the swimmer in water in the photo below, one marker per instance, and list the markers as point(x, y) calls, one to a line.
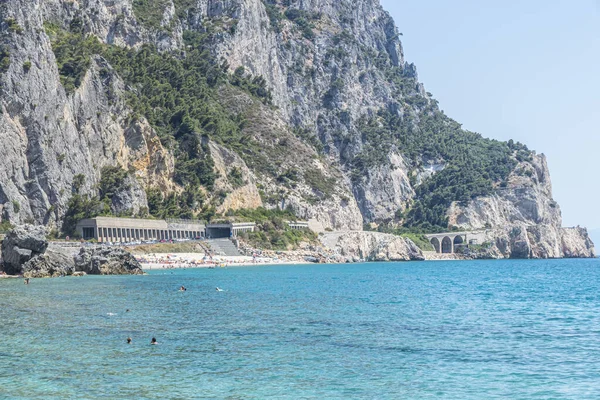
point(153, 341)
point(27, 281)
point(128, 340)
point(182, 288)
point(219, 289)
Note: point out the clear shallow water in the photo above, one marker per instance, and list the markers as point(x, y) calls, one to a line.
point(439, 330)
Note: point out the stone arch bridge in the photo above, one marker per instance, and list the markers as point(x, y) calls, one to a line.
point(449, 242)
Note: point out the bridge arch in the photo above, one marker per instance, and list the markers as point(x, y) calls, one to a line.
point(447, 245)
point(457, 242)
point(436, 244)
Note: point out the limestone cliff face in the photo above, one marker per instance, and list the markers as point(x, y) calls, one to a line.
point(327, 83)
point(523, 219)
point(527, 199)
point(50, 136)
point(243, 190)
point(371, 246)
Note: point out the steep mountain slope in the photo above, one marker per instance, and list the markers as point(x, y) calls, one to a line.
point(210, 106)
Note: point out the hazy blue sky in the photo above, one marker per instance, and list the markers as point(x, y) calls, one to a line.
point(526, 70)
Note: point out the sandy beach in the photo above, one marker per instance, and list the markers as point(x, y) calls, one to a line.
point(154, 261)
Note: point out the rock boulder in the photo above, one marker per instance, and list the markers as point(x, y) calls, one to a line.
point(53, 263)
point(21, 245)
point(107, 261)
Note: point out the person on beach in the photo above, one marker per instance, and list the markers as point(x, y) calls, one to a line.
point(128, 340)
point(153, 341)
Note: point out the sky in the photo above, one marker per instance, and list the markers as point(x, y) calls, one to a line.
point(522, 70)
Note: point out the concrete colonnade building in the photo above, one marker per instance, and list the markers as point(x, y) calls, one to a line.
point(110, 229)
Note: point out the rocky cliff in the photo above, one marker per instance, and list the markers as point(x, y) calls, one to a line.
point(371, 246)
point(522, 219)
point(306, 105)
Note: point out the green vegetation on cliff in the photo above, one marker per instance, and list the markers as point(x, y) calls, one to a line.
point(73, 51)
point(177, 95)
point(474, 166)
point(151, 12)
point(4, 59)
point(272, 232)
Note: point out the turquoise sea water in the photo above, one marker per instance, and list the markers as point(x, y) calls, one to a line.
point(433, 330)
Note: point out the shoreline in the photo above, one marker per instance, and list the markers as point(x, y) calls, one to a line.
point(158, 261)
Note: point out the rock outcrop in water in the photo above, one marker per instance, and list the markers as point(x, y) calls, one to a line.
point(107, 261)
point(25, 251)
